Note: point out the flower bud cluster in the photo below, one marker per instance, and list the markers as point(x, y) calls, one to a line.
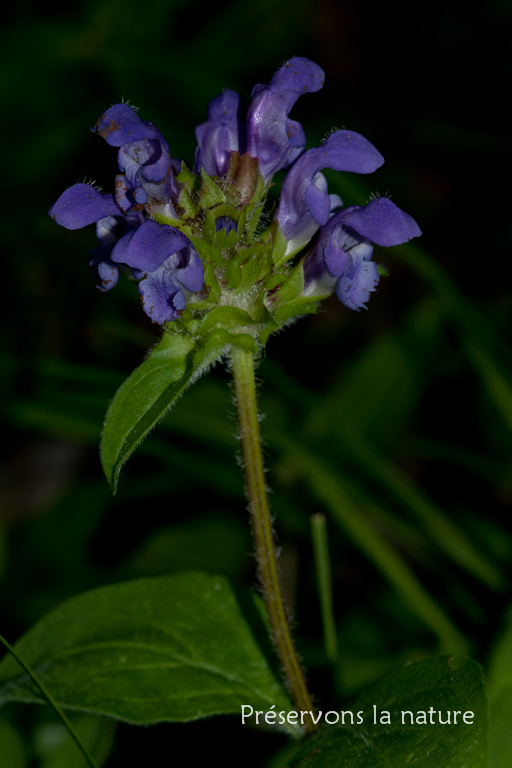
point(195, 240)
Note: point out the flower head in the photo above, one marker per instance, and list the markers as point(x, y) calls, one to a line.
point(196, 241)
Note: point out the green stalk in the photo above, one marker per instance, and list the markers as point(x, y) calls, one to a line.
point(323, 577)
point(245, 389)
point(51, 701)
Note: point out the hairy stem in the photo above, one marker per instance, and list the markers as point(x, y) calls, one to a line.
point(243, 374)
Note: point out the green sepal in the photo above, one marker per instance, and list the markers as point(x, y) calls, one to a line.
point(209, 230)
point(211, 194)
point(225, 317)
point(275, 280)
point(227, 209)
point(278, 244)
point(288, 301)
point(208, 253)
point(186, 203)
point(255, 269)
point(292, 287)
point(383, 271)
point(304, 305)
point(253, 213)
point(211, 282)
point(226, 241)
point(212, 294)
point(189, 179)
point(240, 227)
point(161, 219)
point(143, 399)
point(233, 272)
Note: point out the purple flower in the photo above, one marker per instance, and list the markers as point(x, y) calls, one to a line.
point(341, 258)
point(168, 267)
point(109, 231)
point(264, 129)
point(159, 255)
point(304, 204)
point(244, 143)
point(223, 133)
point(147, 169)
point(82, 205)
point(271, 137)
point(165, 291)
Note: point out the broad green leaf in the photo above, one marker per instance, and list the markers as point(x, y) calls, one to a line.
point(143, 399)
point(173, 648)
point(435, 683)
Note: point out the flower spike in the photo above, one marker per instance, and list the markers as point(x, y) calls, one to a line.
point(196, 240)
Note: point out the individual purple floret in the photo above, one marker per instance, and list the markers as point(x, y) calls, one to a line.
point(165, 291)
point(163, 259)
point(136, 242)
point(304, 204)
point(109, 231)
point(271, 137)
point(81, 205)
point(144, 159)
point(223, 133)
point(341, 258)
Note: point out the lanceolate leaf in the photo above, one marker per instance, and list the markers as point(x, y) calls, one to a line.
point(143, 399)
point(435, 683)
point(172, 648)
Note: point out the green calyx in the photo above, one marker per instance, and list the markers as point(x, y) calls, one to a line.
point(250, 289)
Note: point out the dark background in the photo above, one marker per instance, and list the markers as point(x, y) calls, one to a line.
point(429, 88)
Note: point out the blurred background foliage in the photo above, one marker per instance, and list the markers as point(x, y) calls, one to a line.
point(396, 422)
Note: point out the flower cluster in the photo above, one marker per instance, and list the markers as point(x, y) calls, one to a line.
point(195, 239)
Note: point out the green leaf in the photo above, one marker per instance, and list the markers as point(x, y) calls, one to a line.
point(143, 399)
point(173, 648)
point(435, 683)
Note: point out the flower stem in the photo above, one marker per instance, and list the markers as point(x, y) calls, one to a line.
point(245, 389)
point(89, 759)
